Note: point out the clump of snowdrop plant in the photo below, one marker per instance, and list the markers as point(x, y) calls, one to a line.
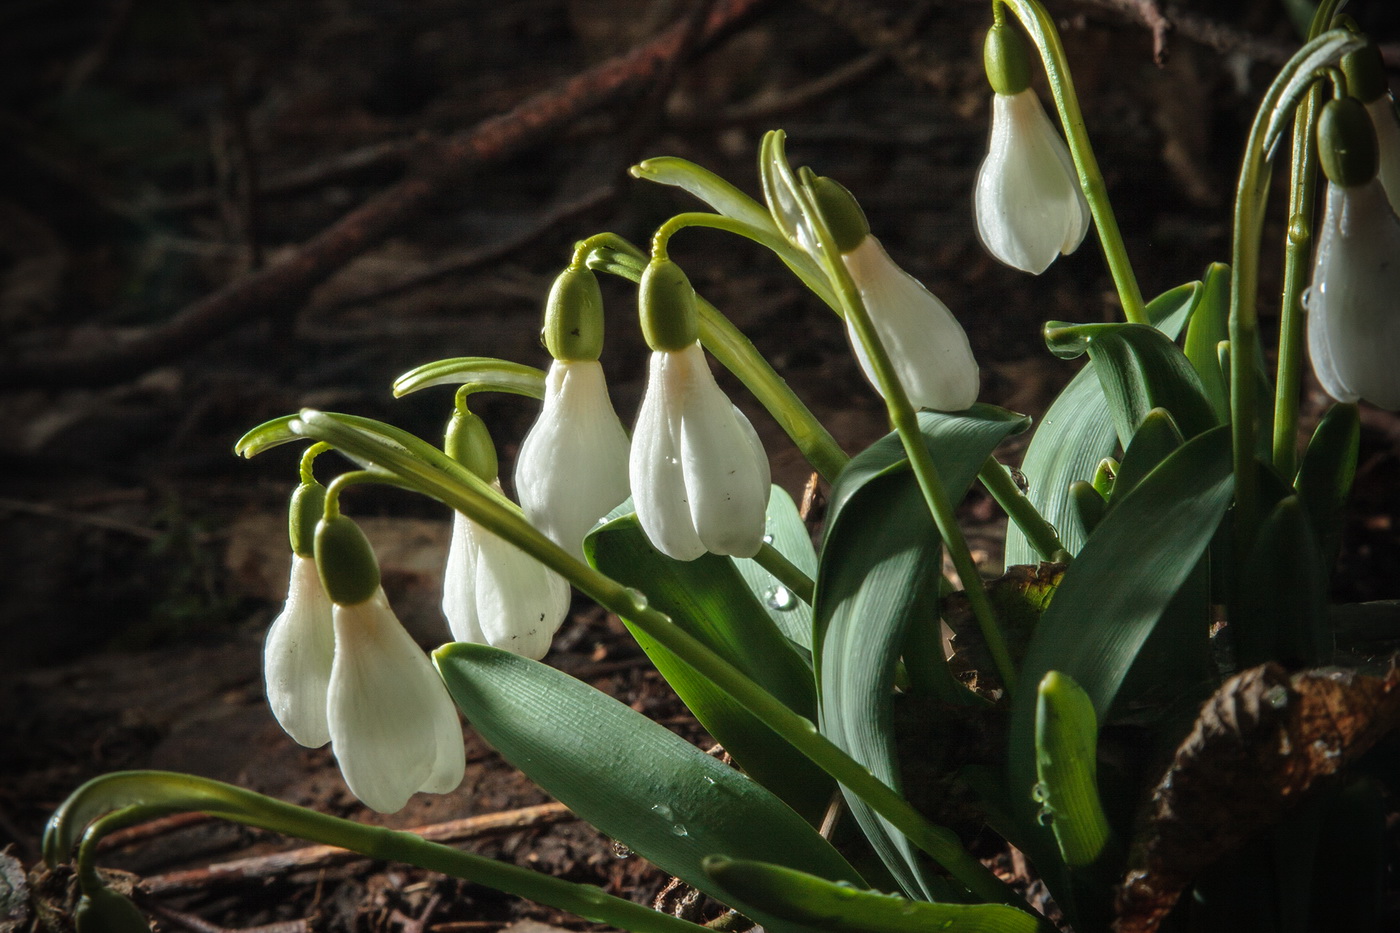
point(1144, 680)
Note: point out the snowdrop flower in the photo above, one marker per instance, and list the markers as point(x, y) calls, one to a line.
point(1353, 326)
point(572, 466)
point(1367, 82)
point(926, 345)
point(300, 643)
point(493, 593)
point(1027, 202)
point(700, 477)
point(393, 727)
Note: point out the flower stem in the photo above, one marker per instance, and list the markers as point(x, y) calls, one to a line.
point(308, 459)
point(787, 573)
point(433, 474)
point(1040, 533)
point(1042, 31)
point(185, 793)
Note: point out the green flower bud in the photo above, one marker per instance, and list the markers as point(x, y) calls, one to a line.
point(1006, 59)
point(1346, 143)
point(346, 562)
point(842, 213)
point(667, 304)
point(469, 443)
point(307, 506)
point(573, 316)
point(103, 910)
point(1365, 73)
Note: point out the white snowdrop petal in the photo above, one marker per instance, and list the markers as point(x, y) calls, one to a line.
point(383, 699)
point(1383, 118)
point(459, 583)
point(727, 494)
point(520, 602)
point(927, 346)
point(1353, 327)
point(658, 482)
point(297, 657)
point(450, 760)
point(572, 467)
point(1027, 201)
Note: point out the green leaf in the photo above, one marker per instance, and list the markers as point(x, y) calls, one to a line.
point(788, 533)
point(807, 899)
point(1154, 441)
point(709, 598)
point(631, 778)
point(708, 187)
point(266, 436)
point(880, 569)
point(1326, 473)
point(1281, 613)
point(1210, 324)
point(1076, 433)
point(1115, 592)
point(1139, 369)
point(1066, 761)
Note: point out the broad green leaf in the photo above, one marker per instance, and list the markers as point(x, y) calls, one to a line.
point(1076, 433)
point(1281, 613)
point(788, 533)
point(880, 570)
point(1115, 592)
point(1326, 473)
point(805, 898)
point(1210, 324)
point(708, 598)
point(629, 777)
point(1154, 441)
point(1139, 369)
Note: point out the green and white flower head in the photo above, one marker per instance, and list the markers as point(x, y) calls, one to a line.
point(1367, 81)
point(926, 345)
point(1027, 202)
point(493, 593)
point(300, 643)
point(1353, 326)
point(393, 727)
point(572, 465)
point(700, 477)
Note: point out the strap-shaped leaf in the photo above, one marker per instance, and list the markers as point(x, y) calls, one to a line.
point(1113, 595)
point(709, 599)
point(805, 898)
point(1139, 369)
point(631, 778)
point(880, 569)
point(1076, 433)
point(1282, 607)
point(1210, 324)
point(1154, 441)
point(1325, 476)
point(786, 531)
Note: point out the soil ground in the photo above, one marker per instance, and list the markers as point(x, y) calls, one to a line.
point(149, 158)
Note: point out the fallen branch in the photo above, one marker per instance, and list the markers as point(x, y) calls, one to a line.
point(282, 288)
point(313, 857)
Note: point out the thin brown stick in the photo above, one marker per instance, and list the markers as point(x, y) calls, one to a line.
point(151, 829)
point(199, 925)
point(1151, 16)
point(294, 860)
point(280, 289)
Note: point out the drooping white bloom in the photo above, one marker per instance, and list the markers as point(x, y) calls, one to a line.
point(393, 727)
point(1028, 204)
point(495, 594)
point(572, 467)
point(699, 474)
point(297, 657)
point(926, 344)
point(1383, 118)
point(1353, 323)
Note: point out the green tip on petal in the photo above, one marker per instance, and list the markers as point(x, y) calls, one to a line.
point(1007, 60)
point(307, 506)
point(670, 320)
point(468, 441)
point(346, 562)
point(573, 317)
point(842, 213)
point(1346, 143)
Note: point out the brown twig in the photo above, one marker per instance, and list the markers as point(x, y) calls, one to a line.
point(1151, 16)
point(280, 289)
point(279, 863)
point(151, 829)
point(200, 925)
